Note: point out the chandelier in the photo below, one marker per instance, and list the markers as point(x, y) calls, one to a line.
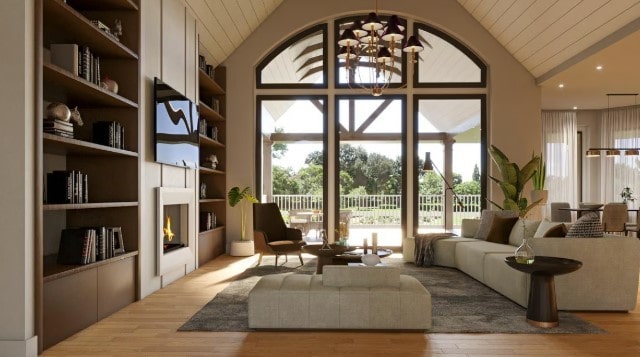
point(611, 151)
point(371, 44)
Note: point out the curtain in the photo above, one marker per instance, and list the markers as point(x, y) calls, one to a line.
point(620, 129)
point(559, 142)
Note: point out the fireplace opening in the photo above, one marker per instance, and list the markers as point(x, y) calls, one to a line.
point(172, 238)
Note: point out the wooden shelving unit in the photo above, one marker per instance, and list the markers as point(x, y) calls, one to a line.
point(72, 297)
point(212, 242)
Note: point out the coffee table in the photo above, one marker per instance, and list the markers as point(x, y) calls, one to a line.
point(542, 310)
point(355, 256)
point(339, 254)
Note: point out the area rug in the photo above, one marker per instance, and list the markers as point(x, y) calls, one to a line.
point(460, 304)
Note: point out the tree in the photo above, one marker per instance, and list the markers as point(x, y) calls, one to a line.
point(284, 181)
point(476, 173)
point(468, 188)
point(279, 149)
point(311, 180)
point(379, 171)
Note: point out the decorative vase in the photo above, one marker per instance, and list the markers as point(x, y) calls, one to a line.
point(524, 253)
point(370, 259)
point(58, 111)
point(109, 84)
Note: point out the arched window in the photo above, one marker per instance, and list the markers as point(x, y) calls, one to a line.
point(370, 137)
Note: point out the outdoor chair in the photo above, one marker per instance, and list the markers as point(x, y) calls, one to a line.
point(271, 236)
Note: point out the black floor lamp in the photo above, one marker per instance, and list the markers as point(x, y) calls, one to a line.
point(430, 166)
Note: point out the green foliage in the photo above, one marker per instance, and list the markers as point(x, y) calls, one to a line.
point(285, 182)
point(476, 174)
point(540, 175)
point(243, 197)
point(468, 188)
point(311, 180)
point(512, 182)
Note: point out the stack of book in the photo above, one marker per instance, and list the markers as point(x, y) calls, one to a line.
point(79, 60)
point(58, 127)
point(67, 187)
point(79, 246)
point(109, 133)
point(207, 221)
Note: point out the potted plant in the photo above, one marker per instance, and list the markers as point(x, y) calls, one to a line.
point(539, 176)
point(242, 197)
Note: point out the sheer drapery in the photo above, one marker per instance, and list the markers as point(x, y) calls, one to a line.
point(559, 139)
point(620, 129)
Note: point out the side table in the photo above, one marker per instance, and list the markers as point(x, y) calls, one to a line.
point(542, 310)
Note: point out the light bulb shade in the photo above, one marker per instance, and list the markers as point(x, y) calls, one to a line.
point(413, 45)
point(428, 165)
point(632, 152)
point(383, 55)
point(393, 32)
point(592, 153)
point(348, 38)
point(372, 22)
point(368, 39)
point(613, 152)
point(344, 53)
point(357, 29)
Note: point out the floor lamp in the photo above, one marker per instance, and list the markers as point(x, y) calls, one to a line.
point(430, 166)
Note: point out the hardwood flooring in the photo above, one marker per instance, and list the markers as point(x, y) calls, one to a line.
point(148, 328)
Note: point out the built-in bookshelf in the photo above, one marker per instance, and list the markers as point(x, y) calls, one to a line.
point(105, 157)
point(212, 204)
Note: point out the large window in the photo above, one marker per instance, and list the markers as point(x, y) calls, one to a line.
point(364, 141)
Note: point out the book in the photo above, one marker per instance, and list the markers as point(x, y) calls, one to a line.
point(65, 56)
point(57, 191)
point(73, 246)
point(63, 133)
point(58, 124)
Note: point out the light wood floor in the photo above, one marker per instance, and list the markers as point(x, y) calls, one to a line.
point(148, 328)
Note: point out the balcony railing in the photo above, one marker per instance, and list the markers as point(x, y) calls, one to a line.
point(385, 209)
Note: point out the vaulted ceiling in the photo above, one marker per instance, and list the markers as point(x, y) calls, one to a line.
point(557, 41)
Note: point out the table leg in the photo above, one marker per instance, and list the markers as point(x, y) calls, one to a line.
point(542, 310)
point(322, 261)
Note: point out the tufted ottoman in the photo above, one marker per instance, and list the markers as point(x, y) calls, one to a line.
point(343, 297)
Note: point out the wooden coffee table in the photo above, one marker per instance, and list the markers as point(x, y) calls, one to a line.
point(339, 254)
point(355, 256)
point(542, 310)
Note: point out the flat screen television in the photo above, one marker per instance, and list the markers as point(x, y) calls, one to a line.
point(176, 127)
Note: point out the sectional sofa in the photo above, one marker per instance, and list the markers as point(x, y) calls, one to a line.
point(607, 281)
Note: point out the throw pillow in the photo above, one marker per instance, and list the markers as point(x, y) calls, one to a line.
point(544, 226)
point(500, 229)
point(557, 231)
point(518, 231)
point(485, 221)
point(588, 226)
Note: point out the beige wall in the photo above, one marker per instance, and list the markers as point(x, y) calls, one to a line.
point(169, 52)
point(17, 177)
point(513, 97)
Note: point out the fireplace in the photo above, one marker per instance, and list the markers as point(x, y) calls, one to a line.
point(176, 229)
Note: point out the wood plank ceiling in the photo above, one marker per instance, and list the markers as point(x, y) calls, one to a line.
point(547, 36)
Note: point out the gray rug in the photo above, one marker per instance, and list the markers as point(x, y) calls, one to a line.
point(460, 303)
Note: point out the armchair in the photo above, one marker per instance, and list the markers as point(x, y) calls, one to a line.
point(271, 235)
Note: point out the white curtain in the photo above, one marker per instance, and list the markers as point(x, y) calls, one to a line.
point(559, 139)
point(620, 129)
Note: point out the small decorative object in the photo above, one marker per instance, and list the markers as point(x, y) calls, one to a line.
point(370, 259)
point(325, 240)
point(75, 116)
point(211, 161)
point(117, 29)
point(627, 195)
point(109, 84)
point(58, 111)
point(365, 246)
point(374, 243)
point(524, 253)
point(203, 190)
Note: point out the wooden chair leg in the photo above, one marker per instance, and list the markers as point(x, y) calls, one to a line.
point(259, 259)
point(277, 255)
point(300, 256)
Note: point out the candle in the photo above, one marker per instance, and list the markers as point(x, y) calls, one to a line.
point(374, 242)
point(365, 245)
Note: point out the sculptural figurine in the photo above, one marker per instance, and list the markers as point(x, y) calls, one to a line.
point(117, 29)
point(75, 116)
point(325, 240)
point(57, 111)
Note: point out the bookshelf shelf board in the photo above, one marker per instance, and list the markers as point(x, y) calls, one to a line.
point(52, 270)
point(212, 200)
point(218, 228)
point(80, 91)
point(84, 32)
point(208, 113)
point(105, 5)
point(208, 171)
point(207, 141)
point(208, 85)
point(56, 144)
point(92, 205)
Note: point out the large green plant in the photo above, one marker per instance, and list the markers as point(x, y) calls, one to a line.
point(540, 174)
point(512, 182)
point(237, 196)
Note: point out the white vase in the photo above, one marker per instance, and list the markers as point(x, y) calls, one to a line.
point(370, 259)
point(241, 248)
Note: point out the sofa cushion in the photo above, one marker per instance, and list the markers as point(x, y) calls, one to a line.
point(519, 231)
point(507, 281)
point(469, 227)
point(557, 231)
point(485, 221)
point(470, 256)
point(360, 277)
point(500, 229)
point(587, 226)
point(543, 227)
point(445, 250)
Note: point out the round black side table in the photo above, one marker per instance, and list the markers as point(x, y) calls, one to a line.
point(542, 310)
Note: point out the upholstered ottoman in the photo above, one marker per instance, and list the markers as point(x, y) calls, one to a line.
point(343, 297)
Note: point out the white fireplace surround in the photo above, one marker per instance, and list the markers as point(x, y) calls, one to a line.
point(183, 257)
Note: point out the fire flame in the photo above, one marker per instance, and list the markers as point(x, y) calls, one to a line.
point(167, 230)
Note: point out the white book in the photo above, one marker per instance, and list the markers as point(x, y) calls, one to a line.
point(65, 56)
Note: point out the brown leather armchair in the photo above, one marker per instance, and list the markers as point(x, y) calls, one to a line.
point(271, 235)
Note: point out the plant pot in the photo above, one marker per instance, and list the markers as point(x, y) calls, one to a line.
point(540, 194)
point(241, 248)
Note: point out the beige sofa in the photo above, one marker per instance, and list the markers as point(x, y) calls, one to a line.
point(608, 279)
point(343, 297)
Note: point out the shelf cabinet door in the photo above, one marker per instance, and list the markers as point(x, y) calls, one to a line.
point(116, 286)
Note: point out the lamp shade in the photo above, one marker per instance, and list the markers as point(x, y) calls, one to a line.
point(613, 152)
point(372, 22)
point(383, 55)
point(413, 45)
point(357, 28)
point(393, 32)
point(348, 38)
point(346, 54)
point(428, 165)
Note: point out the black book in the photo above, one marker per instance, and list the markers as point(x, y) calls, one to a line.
point(103, 133)
point(59, 187)
point(73, 244)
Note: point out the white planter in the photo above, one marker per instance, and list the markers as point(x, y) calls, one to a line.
point(241, 248)
point(540, 194)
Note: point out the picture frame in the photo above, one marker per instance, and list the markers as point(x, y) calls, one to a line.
point(118, 241)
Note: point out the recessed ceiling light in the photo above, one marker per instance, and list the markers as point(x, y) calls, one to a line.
point(599, 67)
point(575, 108)
point(561, 85)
